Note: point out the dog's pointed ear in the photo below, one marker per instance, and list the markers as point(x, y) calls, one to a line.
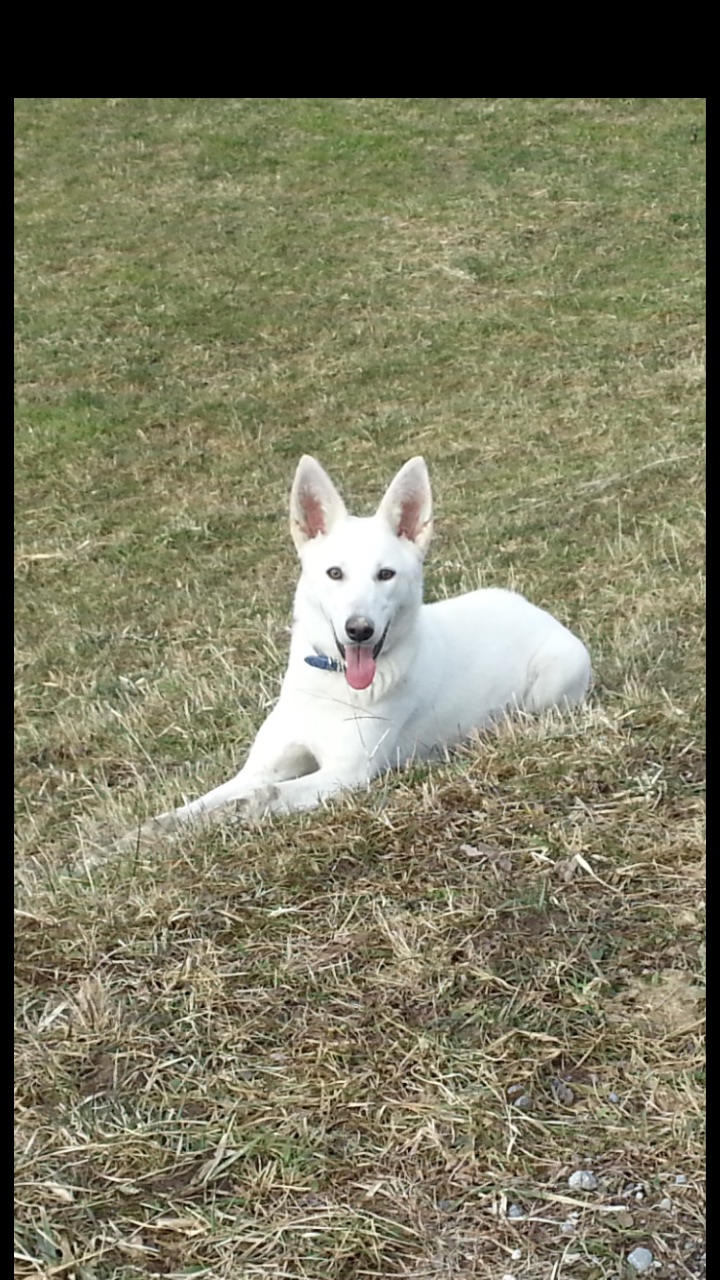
point(407, 505)
point(315, 504)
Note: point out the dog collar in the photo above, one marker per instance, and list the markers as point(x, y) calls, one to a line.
point(322, 663)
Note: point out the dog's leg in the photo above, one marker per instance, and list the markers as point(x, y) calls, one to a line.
point(256, 774)
point(274, 758)
point(296, 794)
point(559, 674)
point(249, 795)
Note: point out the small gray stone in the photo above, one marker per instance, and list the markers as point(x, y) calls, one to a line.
point(613, 1097)
point(666, 1204)
point(582, 1180)
point(562, 1091)
point(640, 1259)
point(513, 1089)
point(524, 1102)
point(680, 1180)
point(514, 1211)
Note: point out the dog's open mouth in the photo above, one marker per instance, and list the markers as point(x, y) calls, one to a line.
point(361, 661)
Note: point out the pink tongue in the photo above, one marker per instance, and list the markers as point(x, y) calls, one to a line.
point(359, 666)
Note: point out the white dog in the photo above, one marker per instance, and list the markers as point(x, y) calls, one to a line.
point(376, 677)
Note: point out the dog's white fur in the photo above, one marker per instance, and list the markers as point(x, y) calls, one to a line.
point(444, 669)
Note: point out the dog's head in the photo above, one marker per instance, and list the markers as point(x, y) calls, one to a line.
point(361, 576)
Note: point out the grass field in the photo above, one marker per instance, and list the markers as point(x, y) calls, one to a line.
point(375, 1040)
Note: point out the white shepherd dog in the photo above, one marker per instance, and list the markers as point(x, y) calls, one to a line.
point(375, 677)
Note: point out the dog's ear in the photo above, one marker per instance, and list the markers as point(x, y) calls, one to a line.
point(407, 505)
point(315, 503)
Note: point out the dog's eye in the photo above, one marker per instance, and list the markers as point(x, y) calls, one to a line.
point(335, 573)
point(384, 575)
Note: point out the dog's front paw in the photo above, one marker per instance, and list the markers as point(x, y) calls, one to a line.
point(149, 831)
point(253, 807)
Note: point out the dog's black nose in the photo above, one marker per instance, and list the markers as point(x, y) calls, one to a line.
point(359, 629)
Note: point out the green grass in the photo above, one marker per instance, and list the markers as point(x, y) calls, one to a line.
point(295, 1050)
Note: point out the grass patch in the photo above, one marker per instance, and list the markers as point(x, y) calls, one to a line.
point(374, 1040)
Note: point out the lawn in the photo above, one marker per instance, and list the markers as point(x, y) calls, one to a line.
point(378, 1039)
